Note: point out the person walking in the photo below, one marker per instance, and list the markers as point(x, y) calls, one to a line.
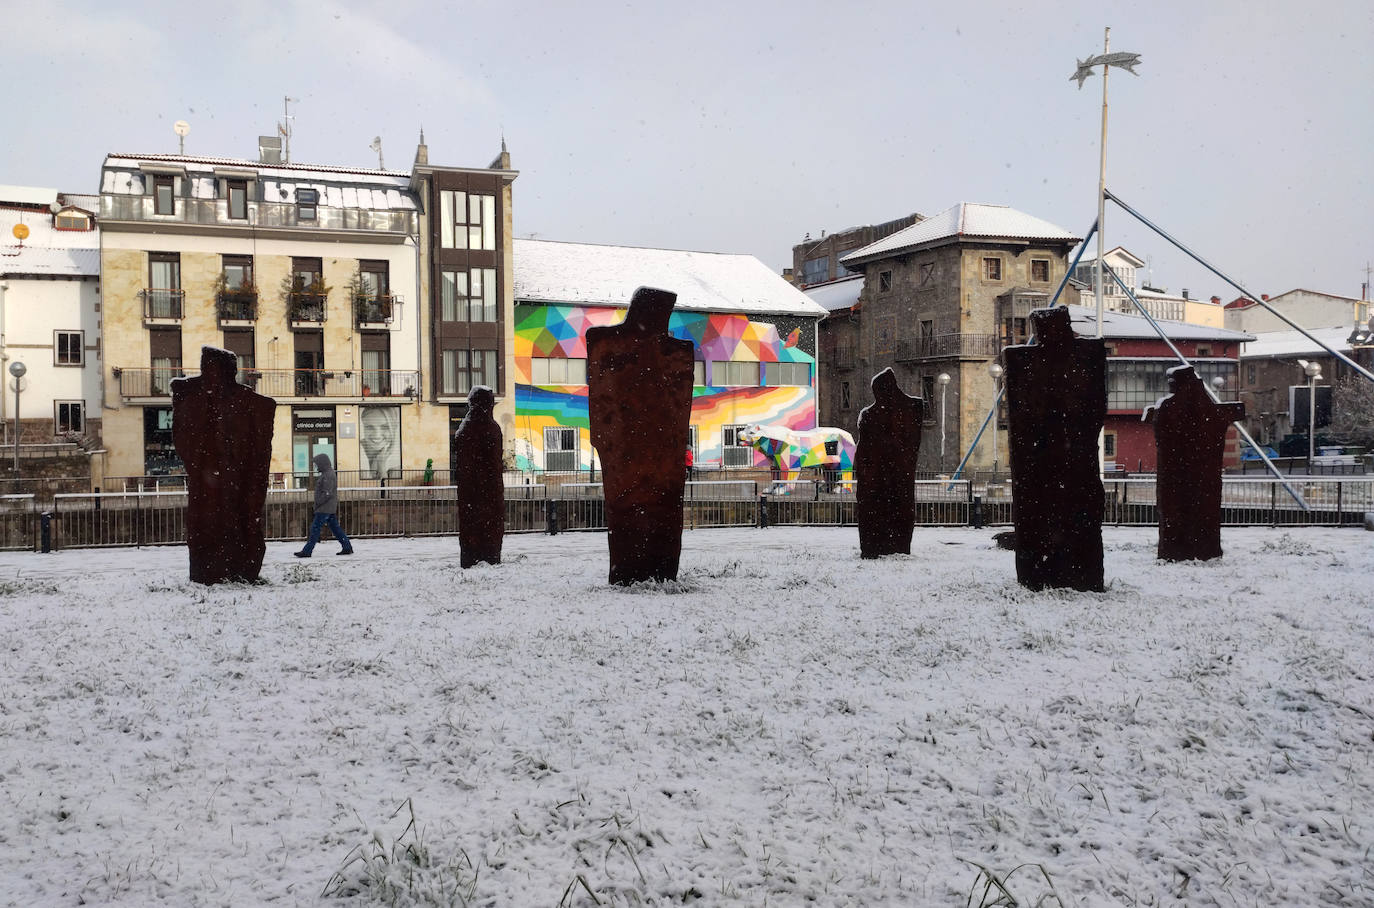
point(326, 509)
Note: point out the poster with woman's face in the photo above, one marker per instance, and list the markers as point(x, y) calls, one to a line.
point(380, 440)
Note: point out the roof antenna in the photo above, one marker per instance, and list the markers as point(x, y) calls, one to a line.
point(284, 127)
point(377, 147)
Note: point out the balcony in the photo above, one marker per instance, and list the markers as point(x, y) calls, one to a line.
point(373, 308)
point(261, 215)
point(237, 305)
point(329, 383)
point(306, 306)
point(947, 346)
point(165, 304)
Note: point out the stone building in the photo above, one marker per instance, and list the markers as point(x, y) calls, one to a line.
point(817, 261)
point(942, 296)
point(367, 302)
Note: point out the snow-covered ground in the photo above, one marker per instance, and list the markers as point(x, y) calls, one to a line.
point(785, 725)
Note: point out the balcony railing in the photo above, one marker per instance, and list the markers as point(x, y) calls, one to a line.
point(162, 302)
point(373, 308)
point(260, 214)
point(306, 305)
point(139, 382)
point(941, 346)
point(237, 305)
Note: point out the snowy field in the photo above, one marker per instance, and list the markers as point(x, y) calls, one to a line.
point(786, 725)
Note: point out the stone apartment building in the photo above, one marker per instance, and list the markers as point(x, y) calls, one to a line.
point(366, 302)
point(942, 296)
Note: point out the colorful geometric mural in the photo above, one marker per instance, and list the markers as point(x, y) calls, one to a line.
point(791, 450)
point(559, 332)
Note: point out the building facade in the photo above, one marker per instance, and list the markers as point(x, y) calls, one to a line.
point(753, 337)
point(942, 297)
point(50, 314)
point(345, 294)
point(1308, 308)
point(818, 261)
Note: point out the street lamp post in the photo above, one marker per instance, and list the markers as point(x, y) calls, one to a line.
point(995, 370)
point(943, 380)
point(1314, 374)
point(17, 369)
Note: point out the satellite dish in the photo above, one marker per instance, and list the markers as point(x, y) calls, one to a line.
point(181, 128)
point(21, 232)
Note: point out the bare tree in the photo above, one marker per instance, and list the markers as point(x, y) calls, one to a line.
point(1352, 411)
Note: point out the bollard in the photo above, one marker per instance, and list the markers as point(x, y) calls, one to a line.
point(551, 516)
point(976, 514)
point(45, 532)
point(762, 522)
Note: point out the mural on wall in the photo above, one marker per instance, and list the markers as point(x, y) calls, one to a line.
point(551, 406)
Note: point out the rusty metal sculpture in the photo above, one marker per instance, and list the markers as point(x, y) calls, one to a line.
point(481, 492)
point(639, 402)
point(223, 433)
point(1190, 433)
point(1057, 400)
point(885, 467)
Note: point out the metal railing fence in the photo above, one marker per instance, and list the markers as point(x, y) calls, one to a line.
point(140, 518)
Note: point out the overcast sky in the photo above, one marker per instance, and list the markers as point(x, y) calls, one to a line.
point(741, 127)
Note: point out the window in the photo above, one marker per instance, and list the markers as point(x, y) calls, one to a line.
point(239, 341)
point(884, 281)
point(736, 374)
point(557, 371)
point(468, 296)
point(238, 199)
point(928, 398)
point(927, 347)
point(1204, 350)
point(927, 273)
point(1109, 445)
point(238, 271)
point(1250, 374)
point(69, 416)
point(306, 200)
point(779, 374)
point(734, 453)
point(560, 449)
point(308, 296)
point(698, 374)
point(844, 395)
point(164, 296)
point(992, 269)
point(71, 220)
point(373, 300)
point(463, 370)
point(164, 346)
point(239, 297)
point(467, 220)
point(163, 200)
point(376, 362)
point(1040, 270)
point(1133, 384)
point(815, 270)
point(68, 348)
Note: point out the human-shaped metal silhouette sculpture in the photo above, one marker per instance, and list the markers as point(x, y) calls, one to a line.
point(639, 402)
point(885, 467)
point(481, 487)
point(1190, 433)
point(223, 433)
point(1056, 391)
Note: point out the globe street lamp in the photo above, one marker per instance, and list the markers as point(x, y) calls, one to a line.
point(17, 369)
point(943, 379)
point(995, 370)
point(1314, 374)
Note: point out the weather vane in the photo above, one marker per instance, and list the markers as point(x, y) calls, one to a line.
point(1106, 60)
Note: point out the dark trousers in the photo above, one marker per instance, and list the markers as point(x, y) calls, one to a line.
point(319, 523)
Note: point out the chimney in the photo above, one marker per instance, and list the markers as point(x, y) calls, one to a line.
point(422, 150)
point(502, 161)
point(269, 149)
point(1216, 300)
point(1265, 297)
point(1185, 292)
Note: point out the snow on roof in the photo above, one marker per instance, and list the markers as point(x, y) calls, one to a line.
point(838, 294)
point(1295, 343)
point(46, 251)
point(555, 272)
point(339, 186)
point(27, 195)
point(1121, 326)
point(966, 219)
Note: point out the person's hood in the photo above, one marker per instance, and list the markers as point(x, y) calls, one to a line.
point(322, 463)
